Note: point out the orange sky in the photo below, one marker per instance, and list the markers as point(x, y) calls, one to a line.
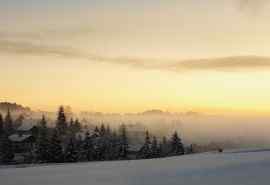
point(124, 57)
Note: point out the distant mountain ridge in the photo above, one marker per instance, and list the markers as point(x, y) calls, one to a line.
point(154, 112)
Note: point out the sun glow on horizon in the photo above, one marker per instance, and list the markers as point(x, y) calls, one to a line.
point(133, 56)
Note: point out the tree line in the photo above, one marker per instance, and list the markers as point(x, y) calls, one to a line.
point(65, 143)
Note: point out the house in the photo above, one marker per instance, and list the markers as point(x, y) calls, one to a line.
point(24, 138)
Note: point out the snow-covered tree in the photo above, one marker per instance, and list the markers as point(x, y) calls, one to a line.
point(8, 123)
point(123, 150)
point(145, 151)
point(71, 152)
point(7, 153)
point(108, 130)
point(55, 148)
point(77, 126)
point(102, 130)
point(115, 144)
point(71, 127)
point(42, 151)
point(88, 148)
point(61, 123)
point(155, 148)
point(164, 147)
point(1, 125)
point(177, 147)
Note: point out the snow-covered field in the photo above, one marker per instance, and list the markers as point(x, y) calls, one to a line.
point(229, 168)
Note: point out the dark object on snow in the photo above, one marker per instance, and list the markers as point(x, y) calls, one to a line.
point(220, 150)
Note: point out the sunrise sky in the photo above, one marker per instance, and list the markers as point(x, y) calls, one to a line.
point(129, 56)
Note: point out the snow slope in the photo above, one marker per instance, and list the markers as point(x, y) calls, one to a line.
point(229, 168)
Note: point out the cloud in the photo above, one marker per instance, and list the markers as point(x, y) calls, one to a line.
point(252, 6)
point(65, 32)
point(235, 63)
point(34, 48)
point(31, 48)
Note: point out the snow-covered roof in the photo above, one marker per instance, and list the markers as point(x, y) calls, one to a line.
point(25, 127)
point(82, 133)
point(18, 138)
point(135, 147)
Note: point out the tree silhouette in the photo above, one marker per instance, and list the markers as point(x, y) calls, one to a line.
point(55, 148)
point(1, 125)
point(42, 152)
point(145, 151)
point(77, 126)
point(102, 130)
point(123, 142)
point(61, 123)
point(71, 152)
point(6, 149)
point(154, 148)
point(177, 147)
point(88, 148)
point(8, 123)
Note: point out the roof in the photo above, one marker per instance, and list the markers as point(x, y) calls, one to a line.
point(82, 134)
point(25, 127)
point(19, 138)
point(134, 147)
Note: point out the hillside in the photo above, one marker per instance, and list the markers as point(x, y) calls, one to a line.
point(229, 168)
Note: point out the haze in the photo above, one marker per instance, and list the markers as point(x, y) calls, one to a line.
point(130, 56)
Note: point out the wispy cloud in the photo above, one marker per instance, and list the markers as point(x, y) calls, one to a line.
point(252, 6)
point(65, 32)
point(33, 48)
point(235, 63)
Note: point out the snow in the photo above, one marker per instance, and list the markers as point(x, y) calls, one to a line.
point(25, 127)
point(249, 167)
point(19, 138)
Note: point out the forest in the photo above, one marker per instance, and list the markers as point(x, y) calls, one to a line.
point(70, 141)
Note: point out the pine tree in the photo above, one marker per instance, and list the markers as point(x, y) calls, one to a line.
point(77, 126)
point(71, 128)
point(95, 140)
point(154, 148)
point(18, 122)
point(123, 153)
point(164, 147)
point(160, 149)
point(102, 148)
point(109, 144)
point(145, 151)
point(71, 152)
point(61, 123)
point(79, 144)
point(55, 148)
point(1, 125)
point(115, 146)
point(6, 149)
point(108, 130)
point(43, 122)
point(8, 123)
point(42, 152)
point(96, 132)
point(71, 124)
point(102, 130)
point(88, 148)
point(177, 147)
point(2, 132)
point(102, 144)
